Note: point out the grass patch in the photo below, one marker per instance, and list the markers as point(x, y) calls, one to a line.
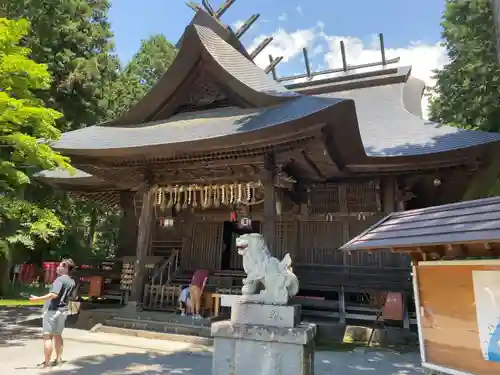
point(18, 302)
point(12, 297)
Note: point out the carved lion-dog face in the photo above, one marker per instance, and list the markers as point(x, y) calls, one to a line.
point(249, 241)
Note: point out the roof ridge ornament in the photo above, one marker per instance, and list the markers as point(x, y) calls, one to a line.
point(346, 68)
point(216, 14)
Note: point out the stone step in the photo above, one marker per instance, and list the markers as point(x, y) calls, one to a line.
point(152, 334)
point(158, 326)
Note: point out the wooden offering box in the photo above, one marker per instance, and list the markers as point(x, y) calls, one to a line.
point(456, 276)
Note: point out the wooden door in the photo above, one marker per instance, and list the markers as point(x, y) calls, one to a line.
point(236, 261)
point(206, 246)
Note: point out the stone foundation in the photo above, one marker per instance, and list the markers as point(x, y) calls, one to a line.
point(263, 339)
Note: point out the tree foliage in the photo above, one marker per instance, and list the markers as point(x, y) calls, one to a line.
point(74, 39)
point(24, 120)
point(466, 93)
point(146, 67)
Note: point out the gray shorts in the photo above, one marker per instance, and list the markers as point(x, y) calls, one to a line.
point(54, 322)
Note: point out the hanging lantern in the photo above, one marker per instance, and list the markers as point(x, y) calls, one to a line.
point(166, 222)
point(245, 223)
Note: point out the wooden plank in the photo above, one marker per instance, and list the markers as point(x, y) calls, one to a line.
point(449, 318)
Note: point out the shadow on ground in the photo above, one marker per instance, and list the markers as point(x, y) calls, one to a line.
point(185, 363)
point(18, 325)
point(181, 363)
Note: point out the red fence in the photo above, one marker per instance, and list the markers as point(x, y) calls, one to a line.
point(27, 272)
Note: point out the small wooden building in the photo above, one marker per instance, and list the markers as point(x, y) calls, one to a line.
point(311, 164)
point(455, 250)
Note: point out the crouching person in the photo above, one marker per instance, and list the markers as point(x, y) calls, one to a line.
point(185, 302)
point(56, 311)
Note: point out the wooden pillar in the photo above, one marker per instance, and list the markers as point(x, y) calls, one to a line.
point(143, 243)
point(269, 226)
point(127, 235)
point(346, 236)
point(388, 187)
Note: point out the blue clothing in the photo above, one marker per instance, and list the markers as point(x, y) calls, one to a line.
point(184, 295)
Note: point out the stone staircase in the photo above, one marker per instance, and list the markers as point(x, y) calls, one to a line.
point(177, 325)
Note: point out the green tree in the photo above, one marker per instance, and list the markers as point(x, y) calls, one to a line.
point(74, 39)
point(146, 67)
point(23, 121)
point(466, 94)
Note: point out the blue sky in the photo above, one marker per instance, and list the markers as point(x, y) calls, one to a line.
point(317, 24)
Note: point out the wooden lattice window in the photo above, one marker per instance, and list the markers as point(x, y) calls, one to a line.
point(319, 241)
point(324, 199)
point(284, 239)
point(286, 203)
point(363, 197)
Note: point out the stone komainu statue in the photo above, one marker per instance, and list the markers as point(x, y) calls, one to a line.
point(277, 278)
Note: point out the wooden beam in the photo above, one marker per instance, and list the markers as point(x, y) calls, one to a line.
point(262, 45)
point(312, 165)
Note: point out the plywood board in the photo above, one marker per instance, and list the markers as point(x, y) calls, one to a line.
point(449, 317)
point(487, 297)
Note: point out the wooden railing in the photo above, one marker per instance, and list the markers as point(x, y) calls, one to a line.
point(168, 269)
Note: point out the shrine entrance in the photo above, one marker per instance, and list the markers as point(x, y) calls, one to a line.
point(230, 259)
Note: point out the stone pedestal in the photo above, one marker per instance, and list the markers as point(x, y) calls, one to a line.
point(263, 340)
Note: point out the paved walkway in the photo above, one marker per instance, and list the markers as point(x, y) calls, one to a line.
point(108, 354)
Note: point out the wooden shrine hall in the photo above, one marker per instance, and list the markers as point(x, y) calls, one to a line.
point(219, 143)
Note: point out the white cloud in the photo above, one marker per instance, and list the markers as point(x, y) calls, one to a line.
point(284, 44)
point(236, 25)
point(424, 58)
point(283, 17)
point(299, 10)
